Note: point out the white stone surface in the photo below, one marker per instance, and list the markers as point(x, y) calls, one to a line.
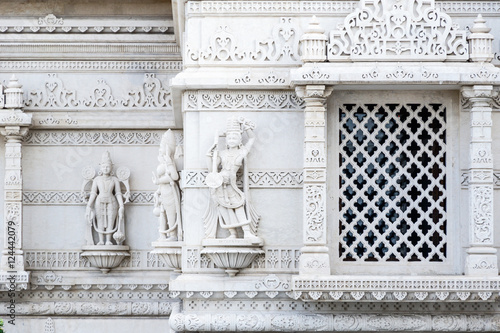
point(110, 77)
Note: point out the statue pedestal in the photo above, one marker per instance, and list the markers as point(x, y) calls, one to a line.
point(232, 254)
point(170, 253)
point(105, 257)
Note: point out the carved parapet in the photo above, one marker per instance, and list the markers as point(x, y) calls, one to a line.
point(481, 41)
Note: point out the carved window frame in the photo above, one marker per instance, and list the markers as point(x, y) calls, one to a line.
point(455, 223)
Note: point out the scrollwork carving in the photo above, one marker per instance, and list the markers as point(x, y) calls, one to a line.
point(315, 212)
point(223, 46)
point(388, 31)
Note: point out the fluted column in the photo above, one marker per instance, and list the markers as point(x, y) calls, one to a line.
point(481, 255)
point(314, 258)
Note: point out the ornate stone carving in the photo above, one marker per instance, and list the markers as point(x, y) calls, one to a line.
point(91, 66)
point(167, 203)
point(480, 41)
point(264, 179)
point(315, 212)
point(105, 215)
point(393, 30)
point(230, 208)
point(55, 96)
point(93, 137)
point(482, 212)
point(49, 326)
point(223, 47)
point(167, 200)
point(236, 100)
point(75, 197)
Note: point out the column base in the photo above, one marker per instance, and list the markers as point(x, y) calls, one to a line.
point(481, 262)
point(314, 260)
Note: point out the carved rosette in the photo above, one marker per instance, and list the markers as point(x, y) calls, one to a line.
point(481, 258)
point(314, 259)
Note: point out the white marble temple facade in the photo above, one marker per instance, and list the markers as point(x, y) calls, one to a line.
point(362, 154)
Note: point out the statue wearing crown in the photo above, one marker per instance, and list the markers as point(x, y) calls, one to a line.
point(230, 207)
point(105, 212)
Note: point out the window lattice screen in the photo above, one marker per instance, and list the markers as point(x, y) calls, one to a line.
point(392, 182)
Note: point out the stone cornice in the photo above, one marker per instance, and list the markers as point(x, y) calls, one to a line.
point(425, 73)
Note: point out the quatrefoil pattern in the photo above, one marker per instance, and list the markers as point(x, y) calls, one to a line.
point(392, 182)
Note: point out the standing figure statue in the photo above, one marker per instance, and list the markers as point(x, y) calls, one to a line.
point(167, 198)
point(230, 207)
point(105, 211)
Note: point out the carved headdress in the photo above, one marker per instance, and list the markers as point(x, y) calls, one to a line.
point(233, 125)
point(106, 158)
point(167, 144)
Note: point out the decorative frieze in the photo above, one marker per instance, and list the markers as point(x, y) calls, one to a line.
point(93, 137)
point(60, 25)
point(262, 178)
point(387, 283)
point(225, 48)
point(90, 66)
point(71, 260)
point(205, 100)
point(424, 34)
point(76, 197)
point(101, 49)
point(93, 308)
point(153, 94)
point(336, 8)
point(308, 322)
point(480, 176)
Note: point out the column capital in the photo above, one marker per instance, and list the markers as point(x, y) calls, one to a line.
point(478, 93)
point(319, 91)
point(14, 123)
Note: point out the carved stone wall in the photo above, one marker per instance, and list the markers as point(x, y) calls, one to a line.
point(115, 75)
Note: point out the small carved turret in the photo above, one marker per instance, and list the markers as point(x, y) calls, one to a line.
point(313, 43)
point(14, 94)
point(480, 41)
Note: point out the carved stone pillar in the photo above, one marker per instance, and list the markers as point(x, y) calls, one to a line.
point(14, 125)
point(481, 255)
point(314, 258)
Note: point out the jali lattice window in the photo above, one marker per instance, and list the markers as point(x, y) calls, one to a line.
point(392, 182)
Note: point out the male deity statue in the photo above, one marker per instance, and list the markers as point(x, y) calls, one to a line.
point(105, 211)
point(167, 203)
point(230, 207)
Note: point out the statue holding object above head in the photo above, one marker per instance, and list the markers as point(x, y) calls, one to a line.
point(230, 207)
point(105, 211)
point(167, 198)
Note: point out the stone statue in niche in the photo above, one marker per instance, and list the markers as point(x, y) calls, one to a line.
point(230, 207)
point(167, 203)
point(105, 213)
